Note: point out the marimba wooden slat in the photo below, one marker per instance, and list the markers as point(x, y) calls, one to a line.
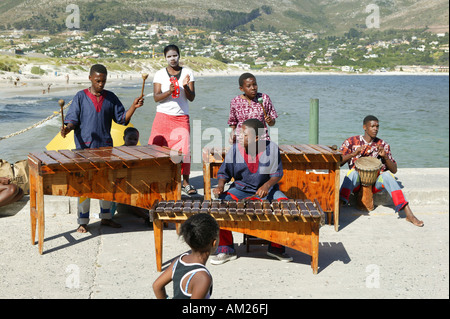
point(288, 149)
point(74, 156)
point(96, 160)
point(137, 152)
point(305, 148)
point(81, 162)
point(162, 149)
point(174, 157)
point(66, 163)
point(106, 154)
point(44, 158)
point(327, 150)
point(124, 156)
point(326, 155)
point(57, 156)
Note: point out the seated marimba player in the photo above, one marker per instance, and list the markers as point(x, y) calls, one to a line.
point(370, 145)
point(255, 165)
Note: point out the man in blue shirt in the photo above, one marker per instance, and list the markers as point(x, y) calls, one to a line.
point(90, 116)
point(255, 165)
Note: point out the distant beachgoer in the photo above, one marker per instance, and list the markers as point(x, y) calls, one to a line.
point(370, 145)
point(191, 279)
point(90, 116)
point(67, 78)
point(9, 193)
point(173, 87)
point(246, 106)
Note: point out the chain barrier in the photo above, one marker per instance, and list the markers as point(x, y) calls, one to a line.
point(35, 125)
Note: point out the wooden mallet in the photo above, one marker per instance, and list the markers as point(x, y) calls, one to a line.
point(144, 77)
point(61, 104)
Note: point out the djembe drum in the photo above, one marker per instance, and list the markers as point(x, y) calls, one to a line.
point(368, 169)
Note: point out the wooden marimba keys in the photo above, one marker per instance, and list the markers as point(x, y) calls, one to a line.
point(292, 209)
point(293, 223)
point(309, 171)
point(132, 175)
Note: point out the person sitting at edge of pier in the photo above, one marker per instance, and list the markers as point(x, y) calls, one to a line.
point(90, 116)
point(255, 164)
point(9, 193)
point(370, 145)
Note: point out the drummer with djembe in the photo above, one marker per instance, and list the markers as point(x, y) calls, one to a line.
point(372, 176)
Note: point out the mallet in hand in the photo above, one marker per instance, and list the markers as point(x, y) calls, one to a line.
point(144, 77)
point(61, 104)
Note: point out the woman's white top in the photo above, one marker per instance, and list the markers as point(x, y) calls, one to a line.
point(170, 105)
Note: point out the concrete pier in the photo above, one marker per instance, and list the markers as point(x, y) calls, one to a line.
point(373, 255)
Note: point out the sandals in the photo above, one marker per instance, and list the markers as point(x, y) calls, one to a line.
point(189, 190)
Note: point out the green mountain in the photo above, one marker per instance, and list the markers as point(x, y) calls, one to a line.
point(324, 16)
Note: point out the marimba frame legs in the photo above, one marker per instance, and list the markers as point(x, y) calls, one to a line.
point(207, 180)
point(158, 233)
point(37, 209)
point(33, 208)
point(40, 212)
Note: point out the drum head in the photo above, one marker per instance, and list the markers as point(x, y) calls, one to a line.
point(368, 163)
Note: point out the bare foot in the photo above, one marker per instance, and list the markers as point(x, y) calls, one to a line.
point(110, 223)
point(82, 229)
point(411, 218)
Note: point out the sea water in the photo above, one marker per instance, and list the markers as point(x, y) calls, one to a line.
point(413, 111)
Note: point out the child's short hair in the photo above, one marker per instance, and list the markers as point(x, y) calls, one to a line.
point(199, 230)
point(369, 118)
point(244, 77)
point(98, 68)
point(255, 124)
point(130, 130)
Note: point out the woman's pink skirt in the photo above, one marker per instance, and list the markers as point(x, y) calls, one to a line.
point(175, 133)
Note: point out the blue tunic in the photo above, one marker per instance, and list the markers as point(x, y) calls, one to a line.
point(93, 119)
point(251, 173)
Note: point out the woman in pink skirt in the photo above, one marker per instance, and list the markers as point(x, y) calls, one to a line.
point(173, 87)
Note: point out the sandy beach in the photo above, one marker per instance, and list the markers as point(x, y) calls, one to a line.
point(32, 84)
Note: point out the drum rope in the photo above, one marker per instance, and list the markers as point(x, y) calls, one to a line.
point(36, 124)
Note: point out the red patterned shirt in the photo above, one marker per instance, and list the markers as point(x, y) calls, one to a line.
point(351, 144)
point(241, 110)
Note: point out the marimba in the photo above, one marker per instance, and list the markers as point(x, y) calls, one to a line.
point(133, 175)
point(309, 171)
point(292, 223)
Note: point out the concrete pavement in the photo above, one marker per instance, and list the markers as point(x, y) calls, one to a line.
point(374, 255)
